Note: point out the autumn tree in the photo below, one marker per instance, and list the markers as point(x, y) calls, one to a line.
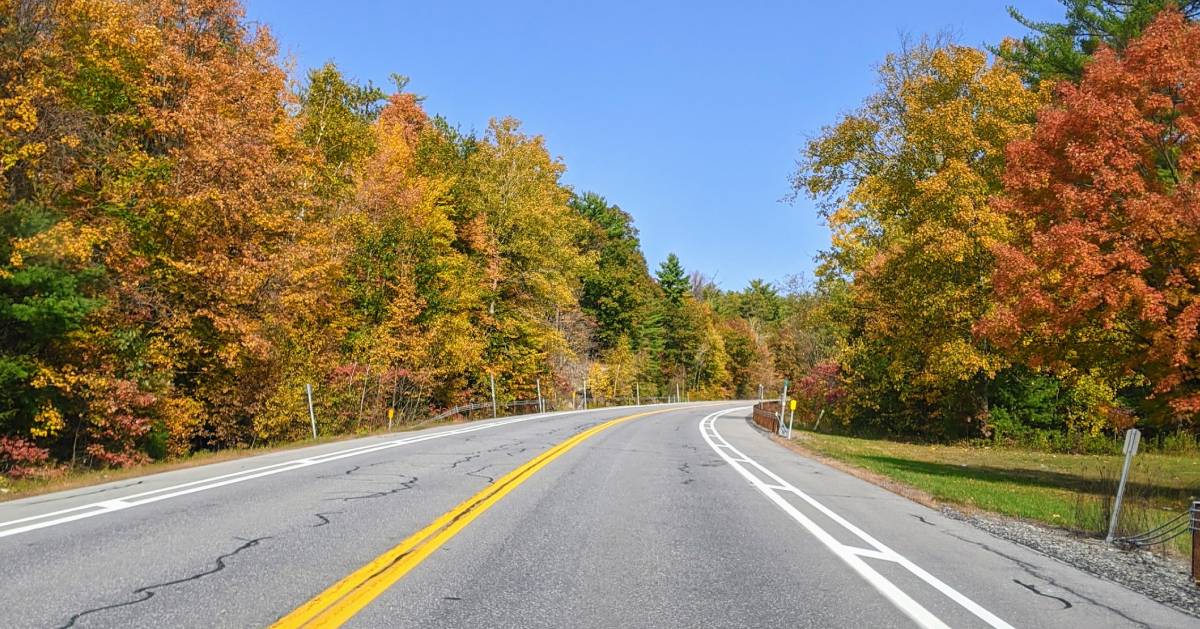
point(904, 184)
point(110, 133)
point(1102, 278)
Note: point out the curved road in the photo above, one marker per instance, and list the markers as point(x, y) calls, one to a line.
point(684, 517)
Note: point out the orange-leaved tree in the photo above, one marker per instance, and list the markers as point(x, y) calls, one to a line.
point(1102, 277)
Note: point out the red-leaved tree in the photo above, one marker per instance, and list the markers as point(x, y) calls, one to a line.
point(1103, 275)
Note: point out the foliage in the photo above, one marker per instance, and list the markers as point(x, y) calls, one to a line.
point(618, 292)
point(1060, 51)
point(905, 184)
point(189, 237)
point(1103, 278)
point(1003, 274)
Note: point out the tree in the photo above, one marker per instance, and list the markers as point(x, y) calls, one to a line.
point(672, 279)
point(760, 303)
point(905, 184)
point(152, 138)
point(335, 119)
point(1060, 51)
point(1103, 277)
point(616, 292)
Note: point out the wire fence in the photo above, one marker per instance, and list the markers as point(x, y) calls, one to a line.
point(1163, 533)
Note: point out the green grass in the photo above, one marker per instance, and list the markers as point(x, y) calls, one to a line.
point(1068, 490)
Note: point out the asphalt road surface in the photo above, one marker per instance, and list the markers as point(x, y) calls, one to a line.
point(684, 517)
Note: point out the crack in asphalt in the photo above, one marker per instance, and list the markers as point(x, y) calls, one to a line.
point(147, 592)
point(465, 459)
point(477, 474)
point(323, 518)
point(404, 486)
point(506, 447)
point(1033, 588)
point(87, 493)
point(355, 473)
point(922, 519)
point(1032, 570)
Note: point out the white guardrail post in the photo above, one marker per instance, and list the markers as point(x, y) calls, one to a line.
point(312, 418)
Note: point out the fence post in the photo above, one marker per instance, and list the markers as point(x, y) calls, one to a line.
point(312, 417)
point(637, 391)
point(585, 393)
point(541, 406)
point(1133, 437)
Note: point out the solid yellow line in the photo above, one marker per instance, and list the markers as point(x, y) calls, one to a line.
point(342, 600)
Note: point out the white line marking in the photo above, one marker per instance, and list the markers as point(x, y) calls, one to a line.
point(63, 516)
point(851, 555)
point(873, 554)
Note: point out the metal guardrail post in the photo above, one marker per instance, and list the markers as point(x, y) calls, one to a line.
point(1195, 526)
point(1133, 437)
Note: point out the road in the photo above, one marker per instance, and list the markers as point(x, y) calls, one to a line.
point(684, 517)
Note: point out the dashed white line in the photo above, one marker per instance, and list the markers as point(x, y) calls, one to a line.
point(851, 555)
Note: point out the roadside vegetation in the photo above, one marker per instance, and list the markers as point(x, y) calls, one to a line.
point(1071, 491)
point(190, 233)
point(1013, 279)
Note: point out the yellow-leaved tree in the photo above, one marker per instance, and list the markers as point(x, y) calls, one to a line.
point(905, 184)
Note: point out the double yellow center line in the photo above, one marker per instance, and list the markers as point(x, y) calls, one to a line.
point(342, 600)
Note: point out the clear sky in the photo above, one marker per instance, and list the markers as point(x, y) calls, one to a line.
point(689, 115)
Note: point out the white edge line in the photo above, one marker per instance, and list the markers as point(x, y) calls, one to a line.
point(52, 518)
point(848, 554)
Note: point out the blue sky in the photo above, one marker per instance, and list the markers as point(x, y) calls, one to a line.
point(689, 115)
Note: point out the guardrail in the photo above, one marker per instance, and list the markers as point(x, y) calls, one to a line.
point(506, 408)
point(767, 415)
point(1195, 511)
point(463, 409)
